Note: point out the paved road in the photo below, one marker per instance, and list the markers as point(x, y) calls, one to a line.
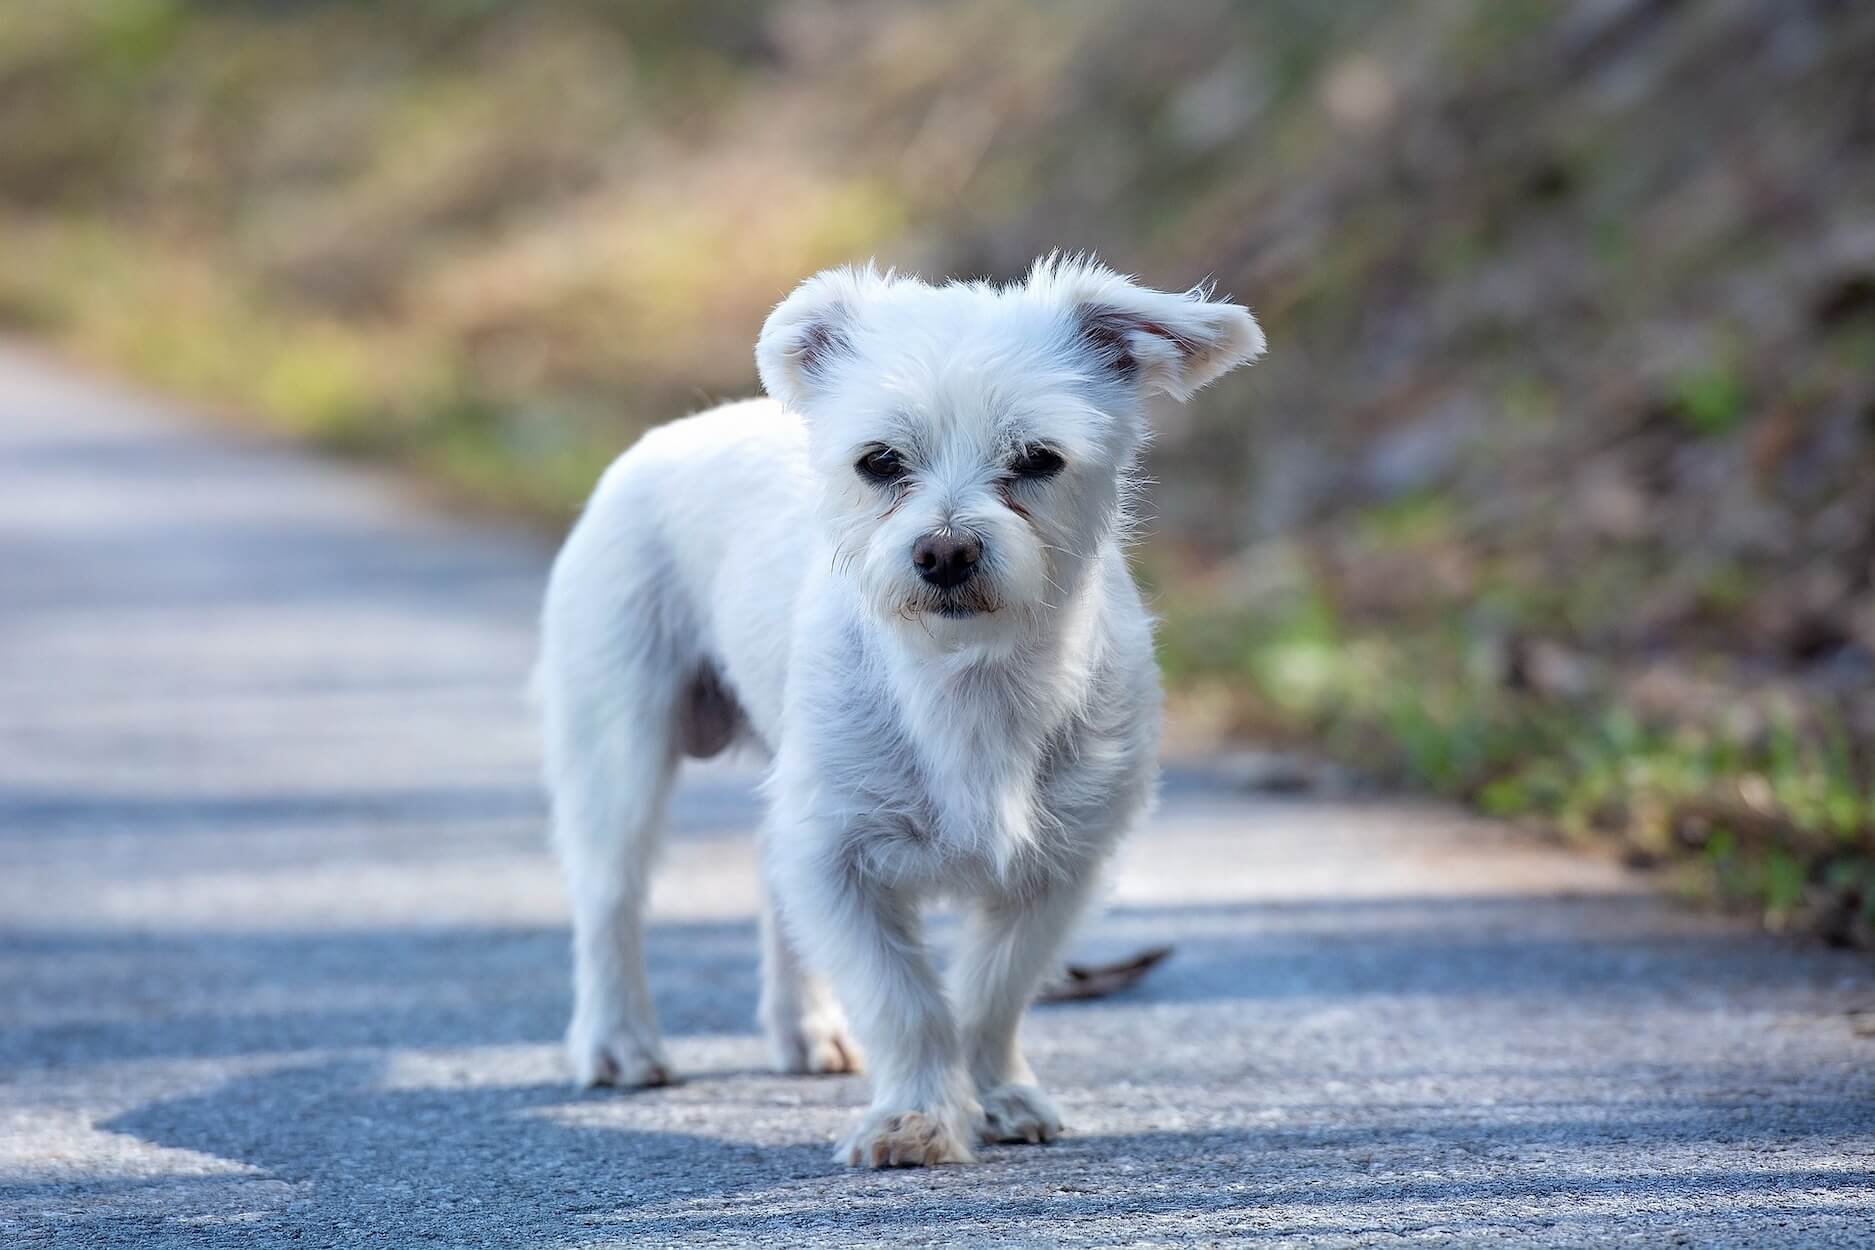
point(282, 955)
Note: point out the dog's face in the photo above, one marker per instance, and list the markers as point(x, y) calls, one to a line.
point(973, 443)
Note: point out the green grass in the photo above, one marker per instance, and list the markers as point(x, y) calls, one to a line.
point(1779, 818)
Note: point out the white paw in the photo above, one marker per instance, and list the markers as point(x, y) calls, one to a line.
point(1019, 1113)
point(904, 1139)
point(816, 1044)
point(614, 1058)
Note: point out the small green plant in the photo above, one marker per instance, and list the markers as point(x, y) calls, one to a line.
point(1710, 401)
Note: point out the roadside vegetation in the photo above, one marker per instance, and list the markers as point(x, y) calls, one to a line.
point(1556, 493)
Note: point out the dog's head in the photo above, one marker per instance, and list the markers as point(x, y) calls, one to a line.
point(973, 443)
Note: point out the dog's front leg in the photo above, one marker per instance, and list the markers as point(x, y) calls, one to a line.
point(1011, 942)
point(866, 936)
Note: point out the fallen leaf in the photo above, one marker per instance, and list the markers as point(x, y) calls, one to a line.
point(1080, 981)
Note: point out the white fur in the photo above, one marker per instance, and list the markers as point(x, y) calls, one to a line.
point(736, 578)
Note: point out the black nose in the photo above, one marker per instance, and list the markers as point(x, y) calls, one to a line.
point(946, 560)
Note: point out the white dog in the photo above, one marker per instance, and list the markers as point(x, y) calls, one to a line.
point(901, 579)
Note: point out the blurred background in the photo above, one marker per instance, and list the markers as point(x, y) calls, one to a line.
point(1556, 493)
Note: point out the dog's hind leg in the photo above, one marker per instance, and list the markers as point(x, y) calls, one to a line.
point(613, 691)
point(609, 808)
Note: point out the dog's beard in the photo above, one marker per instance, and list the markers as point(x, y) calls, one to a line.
point(971, 599)
point(982, 606)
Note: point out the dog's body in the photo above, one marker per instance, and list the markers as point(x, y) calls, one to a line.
point(902, 580)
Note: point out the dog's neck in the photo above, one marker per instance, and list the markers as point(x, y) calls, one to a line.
point(980, 715)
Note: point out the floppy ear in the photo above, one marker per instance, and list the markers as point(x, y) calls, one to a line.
point(1173, 343)
point(810, 333)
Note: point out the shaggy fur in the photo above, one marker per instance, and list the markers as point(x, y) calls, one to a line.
point(747, 575)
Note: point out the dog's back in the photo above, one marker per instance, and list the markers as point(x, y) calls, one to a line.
point(696, 512)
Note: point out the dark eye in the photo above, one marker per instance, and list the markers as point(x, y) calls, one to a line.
point(881, 464)
point(1034, 461)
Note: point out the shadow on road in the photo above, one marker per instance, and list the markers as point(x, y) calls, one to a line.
point(345, 1155)
point(361, 1157)
point(405, 1079)
point(710, 808)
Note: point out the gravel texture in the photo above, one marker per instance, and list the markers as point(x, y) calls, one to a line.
point(282, 953)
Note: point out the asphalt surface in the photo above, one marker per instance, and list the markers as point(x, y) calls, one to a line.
point(283, 955)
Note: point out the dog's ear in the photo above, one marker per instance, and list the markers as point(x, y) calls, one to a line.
point(810, 333)
point(1173, 343)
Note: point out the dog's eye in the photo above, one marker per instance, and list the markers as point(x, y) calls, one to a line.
point(1037, 462)
point(881, 464)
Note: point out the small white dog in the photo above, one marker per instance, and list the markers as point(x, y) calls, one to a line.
point(901, 579)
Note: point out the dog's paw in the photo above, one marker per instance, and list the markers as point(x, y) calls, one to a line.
point(903, 1139)
point(615, 1058)
point(1019, 1113)
point(816, 1045)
